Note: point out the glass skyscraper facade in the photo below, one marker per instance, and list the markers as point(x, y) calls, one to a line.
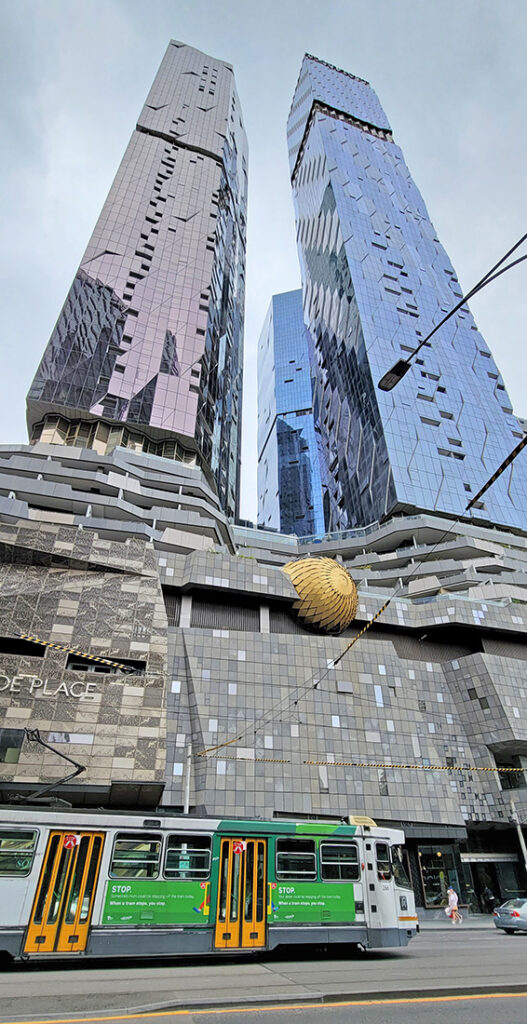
point(147, 350)
point(376, 280)
point(289, 487)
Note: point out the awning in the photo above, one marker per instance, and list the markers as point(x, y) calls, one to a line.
point(493, 858)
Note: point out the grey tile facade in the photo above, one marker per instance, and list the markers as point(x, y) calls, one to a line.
point(76, 591)
point(273, 726)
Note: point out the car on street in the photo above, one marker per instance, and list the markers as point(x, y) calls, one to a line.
point(512, 915)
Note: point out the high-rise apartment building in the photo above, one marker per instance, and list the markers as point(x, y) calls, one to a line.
point(289, 487)
point(147, 351)
point(119, 563)
point(376, 280)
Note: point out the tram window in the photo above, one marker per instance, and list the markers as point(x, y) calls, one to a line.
point(400, 872)
point(384, 866)
point(135, 855)
point(339, 862)
point(296, 858)
point(17, 849)
point(187, 857)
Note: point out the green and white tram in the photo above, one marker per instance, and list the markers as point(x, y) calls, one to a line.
point(103, 884)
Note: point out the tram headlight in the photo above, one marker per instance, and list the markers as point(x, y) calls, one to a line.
point(404, 902)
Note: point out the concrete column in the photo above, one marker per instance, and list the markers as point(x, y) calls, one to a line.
point(265, 626)
point(186, 608)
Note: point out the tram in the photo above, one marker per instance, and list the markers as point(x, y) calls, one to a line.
point(117, 884)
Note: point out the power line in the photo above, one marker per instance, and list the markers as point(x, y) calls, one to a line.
point(392, 377)
point(312, 684)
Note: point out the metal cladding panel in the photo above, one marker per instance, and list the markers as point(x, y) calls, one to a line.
point(151, 332)
point(335, 88)
point(376, 280)
point(289, 488)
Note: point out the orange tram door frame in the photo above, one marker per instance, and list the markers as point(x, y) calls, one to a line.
point(63, 905)
point(242, 885)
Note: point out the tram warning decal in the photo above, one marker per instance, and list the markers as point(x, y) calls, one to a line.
point(70, 842)
point(239, 845)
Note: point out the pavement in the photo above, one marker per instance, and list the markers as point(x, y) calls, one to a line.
point(470, 922)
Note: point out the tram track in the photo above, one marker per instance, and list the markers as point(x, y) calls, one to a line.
point(436, 964)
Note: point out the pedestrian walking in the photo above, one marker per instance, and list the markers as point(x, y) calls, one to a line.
point(452, 907)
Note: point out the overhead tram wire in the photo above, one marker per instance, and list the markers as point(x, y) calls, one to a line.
point(401, 367)
point(124, 704)
point(282, 706)
point(288, 701)
point(285, 703)
point(313, 683)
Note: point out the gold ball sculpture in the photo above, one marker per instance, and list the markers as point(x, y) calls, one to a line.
point(327, 595)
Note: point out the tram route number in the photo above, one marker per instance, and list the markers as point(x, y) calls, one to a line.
point(70, 842)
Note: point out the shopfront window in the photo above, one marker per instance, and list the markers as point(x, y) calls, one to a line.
point(438, 871)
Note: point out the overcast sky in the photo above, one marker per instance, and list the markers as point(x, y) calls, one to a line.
point(452, 77)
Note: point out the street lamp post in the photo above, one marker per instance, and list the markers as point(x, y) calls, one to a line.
point(392, 377)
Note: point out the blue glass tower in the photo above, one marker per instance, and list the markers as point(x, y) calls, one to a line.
point(376, 280)
point(289, 486)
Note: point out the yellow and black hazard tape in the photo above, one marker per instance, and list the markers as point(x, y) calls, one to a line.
point(73, 650)
point(362, 632)
point(361, 764)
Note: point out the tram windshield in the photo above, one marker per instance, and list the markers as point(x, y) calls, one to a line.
point(399, 871)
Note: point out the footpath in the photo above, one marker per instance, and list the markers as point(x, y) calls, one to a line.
point(471, 922)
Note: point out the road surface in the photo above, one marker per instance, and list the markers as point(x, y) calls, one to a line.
point(434, 964)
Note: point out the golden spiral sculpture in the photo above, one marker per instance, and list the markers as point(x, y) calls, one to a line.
point(327, 595)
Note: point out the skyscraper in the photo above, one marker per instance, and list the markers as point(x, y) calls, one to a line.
point(147, 351)
point(289, 488)
point(376, 280)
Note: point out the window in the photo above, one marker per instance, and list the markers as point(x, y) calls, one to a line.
point(10, 745)
point(339, 862)
point(438, 866)
point(17, 849)
point(401, 867)
point(509, 780)
point(296, 858)
point(384, 866)
point(135, 855)
point(187, 857)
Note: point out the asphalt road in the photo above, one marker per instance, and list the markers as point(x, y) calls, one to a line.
point(485, 1009)
point(435, 964)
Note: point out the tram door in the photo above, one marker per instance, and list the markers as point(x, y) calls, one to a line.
point(241, 910)
point(63, 904)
